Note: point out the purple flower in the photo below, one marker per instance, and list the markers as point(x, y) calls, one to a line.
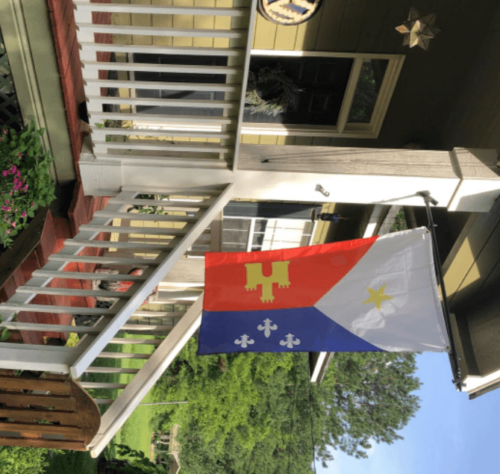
point(7, 209)
point(23, 214)
point(13, 169)
point(20, 155)
point(5, 172)
point(13, 224)
point(25, 187)
point(7, 202)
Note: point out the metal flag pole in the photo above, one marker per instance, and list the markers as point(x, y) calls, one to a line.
point(453, 354)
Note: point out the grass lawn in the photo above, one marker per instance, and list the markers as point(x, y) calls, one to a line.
point(72, 463)
point(136, 432)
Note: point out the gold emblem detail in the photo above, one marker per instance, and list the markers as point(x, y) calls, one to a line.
point(255, 277)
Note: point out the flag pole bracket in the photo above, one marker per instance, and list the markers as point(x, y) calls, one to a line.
point(453, 353)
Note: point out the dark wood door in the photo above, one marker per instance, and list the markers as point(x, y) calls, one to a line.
point(322, 83)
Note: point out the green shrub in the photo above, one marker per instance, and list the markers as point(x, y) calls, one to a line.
point(15, 460)
point(25, 179)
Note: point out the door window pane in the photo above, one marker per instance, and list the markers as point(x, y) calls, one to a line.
point(321, 81)
point(369, 83)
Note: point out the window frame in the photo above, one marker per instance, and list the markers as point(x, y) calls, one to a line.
point(343, 129)
point(251, 231)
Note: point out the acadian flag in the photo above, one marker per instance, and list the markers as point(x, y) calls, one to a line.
point(376, 294)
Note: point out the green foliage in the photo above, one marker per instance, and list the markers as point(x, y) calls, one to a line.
point(15, 460)
point(400, 222)
point(365, 96)
point(136, 462)
point(72, 462)
point(366, 397)
point(25, 179)
point(152, 209)
point(5, 334)
point(251, 413)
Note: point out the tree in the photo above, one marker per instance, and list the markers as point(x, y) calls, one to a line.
point(252, 413)
point(366, 397)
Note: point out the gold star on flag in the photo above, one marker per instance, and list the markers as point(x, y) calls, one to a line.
point(377, 296)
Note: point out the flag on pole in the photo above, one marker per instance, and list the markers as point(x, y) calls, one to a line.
point(375, 294)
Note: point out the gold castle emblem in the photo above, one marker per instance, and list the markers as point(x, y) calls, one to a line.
point(278, 275)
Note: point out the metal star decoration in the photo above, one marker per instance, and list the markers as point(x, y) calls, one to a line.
point(418, 30)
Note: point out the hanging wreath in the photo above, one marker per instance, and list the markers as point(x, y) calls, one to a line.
point(270, 91)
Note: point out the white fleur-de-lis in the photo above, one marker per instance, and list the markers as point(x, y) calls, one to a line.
point(244, 341)
point(289, 341)
point(267, 327)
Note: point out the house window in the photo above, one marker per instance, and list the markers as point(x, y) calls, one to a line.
point(240, 234)
point(342, 94)
point(251, 227)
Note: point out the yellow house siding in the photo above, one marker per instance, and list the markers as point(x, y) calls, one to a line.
point(336, 27)
point(141, 20)
point(222, 23)
point(163, 21)
point(268, 140)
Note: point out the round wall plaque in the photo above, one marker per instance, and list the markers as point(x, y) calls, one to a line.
point(288, 12)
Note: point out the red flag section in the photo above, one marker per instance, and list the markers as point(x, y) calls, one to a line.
point(278, 279)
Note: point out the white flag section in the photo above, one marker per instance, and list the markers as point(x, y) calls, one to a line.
point(390, 297)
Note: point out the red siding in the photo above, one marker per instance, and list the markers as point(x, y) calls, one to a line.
point(68, 57)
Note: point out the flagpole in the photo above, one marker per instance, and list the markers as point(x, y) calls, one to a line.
point(453, 353)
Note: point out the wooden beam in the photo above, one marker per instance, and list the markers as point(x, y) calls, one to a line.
point(461, 180)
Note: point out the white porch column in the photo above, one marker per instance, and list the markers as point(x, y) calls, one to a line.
point(461, 180)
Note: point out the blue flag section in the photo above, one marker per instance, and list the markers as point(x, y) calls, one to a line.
point(377, 294)
point(280, 330)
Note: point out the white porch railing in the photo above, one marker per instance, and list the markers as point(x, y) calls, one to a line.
point(144, 379)
point(189, 213)
point(231, 28)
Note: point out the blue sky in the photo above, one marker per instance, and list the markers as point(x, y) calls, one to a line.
point(449, 435)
